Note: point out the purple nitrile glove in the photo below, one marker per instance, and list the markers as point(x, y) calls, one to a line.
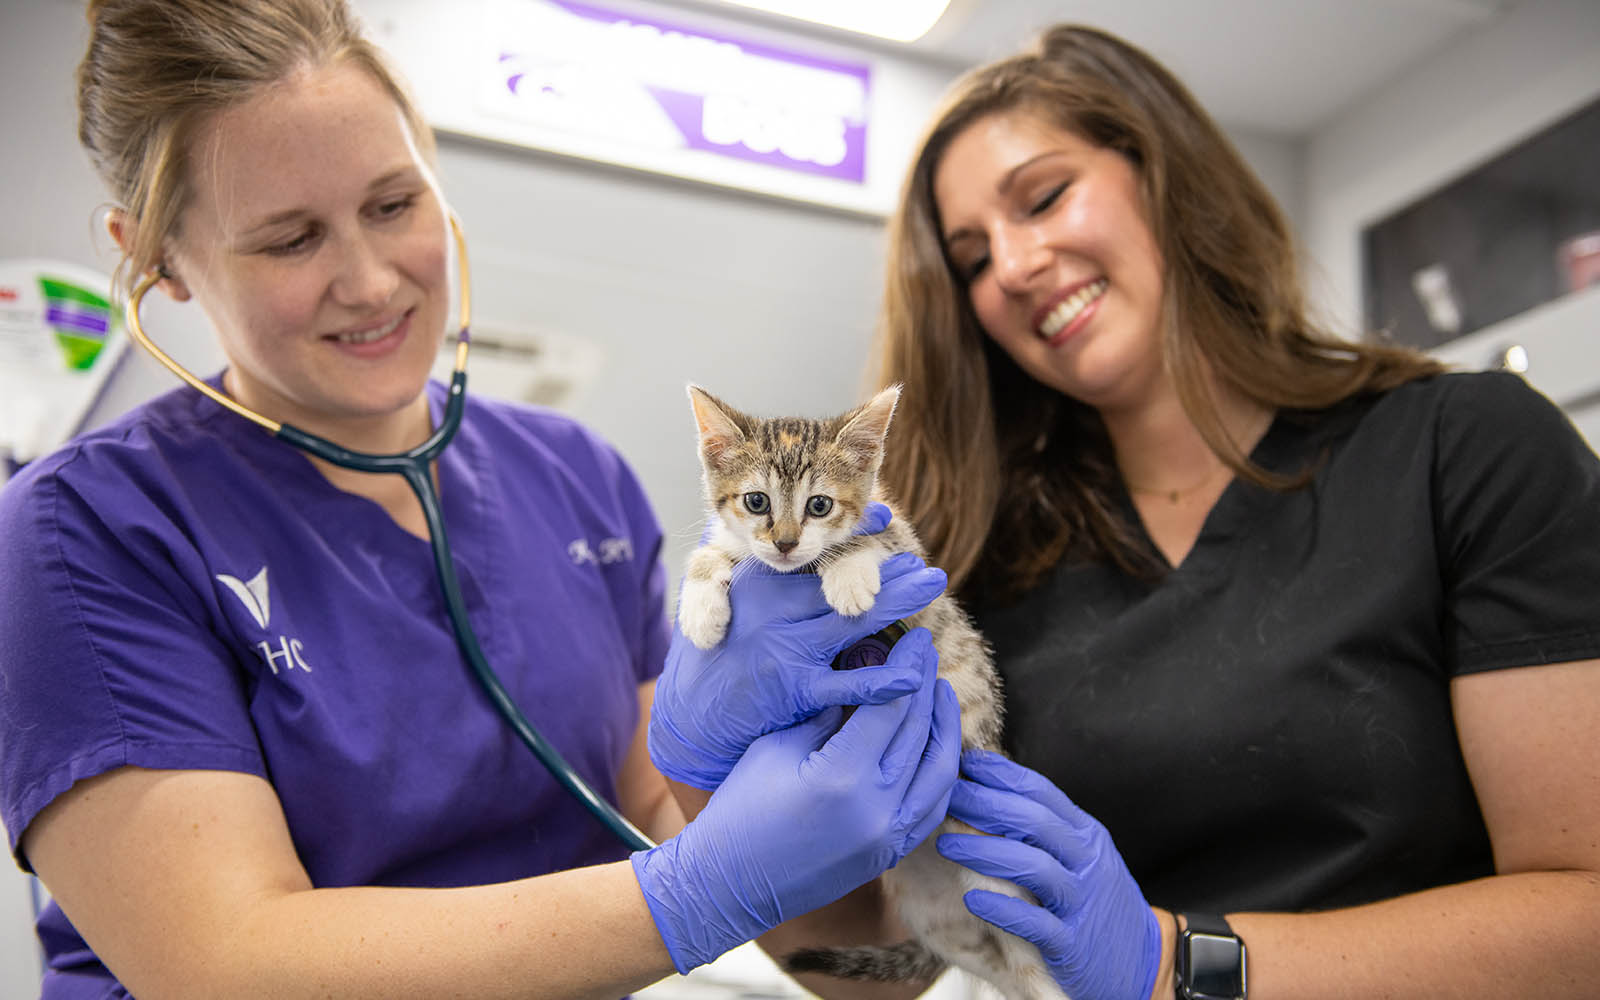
point(774, 667)
point(806, 815)
point(1099, 937)
point(874, 519)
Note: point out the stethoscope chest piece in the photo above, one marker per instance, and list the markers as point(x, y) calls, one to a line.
point(872, 651)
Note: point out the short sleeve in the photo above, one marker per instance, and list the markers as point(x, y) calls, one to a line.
point(1518, 514)
point(654, 631)
point(105, 658)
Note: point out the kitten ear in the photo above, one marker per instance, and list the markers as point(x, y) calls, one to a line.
point(719, 431)
point(864, 430)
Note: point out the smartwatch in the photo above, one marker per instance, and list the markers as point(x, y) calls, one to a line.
point(1211, 960)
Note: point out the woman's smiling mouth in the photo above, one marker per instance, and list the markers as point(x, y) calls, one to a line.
point(1061, 315)
point(371, 334)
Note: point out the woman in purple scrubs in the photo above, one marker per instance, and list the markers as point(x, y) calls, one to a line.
point(238, 742)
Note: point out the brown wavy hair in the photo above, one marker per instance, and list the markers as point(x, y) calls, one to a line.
point(156, 70)
point(1005, 477)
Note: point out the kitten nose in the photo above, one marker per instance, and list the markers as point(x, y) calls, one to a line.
point(784, 546)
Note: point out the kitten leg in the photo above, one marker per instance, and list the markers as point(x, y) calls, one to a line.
point(928, 891)
point(703, 608)
point(850, 581)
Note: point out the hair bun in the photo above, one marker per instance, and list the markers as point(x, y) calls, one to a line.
point(1058, 39)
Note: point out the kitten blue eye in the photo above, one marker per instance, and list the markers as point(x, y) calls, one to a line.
point(819, 506)
point(756, 503)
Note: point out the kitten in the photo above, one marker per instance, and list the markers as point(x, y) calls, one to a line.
point(789, 491)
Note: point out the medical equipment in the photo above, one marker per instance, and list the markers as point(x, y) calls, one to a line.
point(873, 650)
point(60, 339)
point(413, 466)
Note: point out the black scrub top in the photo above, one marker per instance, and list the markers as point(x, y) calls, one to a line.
point(1269, 726)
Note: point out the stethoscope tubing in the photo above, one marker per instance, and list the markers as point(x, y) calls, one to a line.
point(414, 466)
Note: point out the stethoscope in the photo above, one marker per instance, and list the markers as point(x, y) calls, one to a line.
point(413, 466)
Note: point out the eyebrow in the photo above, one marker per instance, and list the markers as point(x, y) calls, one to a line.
point(1006, 180)
point(291, 214)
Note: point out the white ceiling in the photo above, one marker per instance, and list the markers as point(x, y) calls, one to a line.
point(1276, 66)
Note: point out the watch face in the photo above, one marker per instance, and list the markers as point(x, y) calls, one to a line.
point(1216, 966)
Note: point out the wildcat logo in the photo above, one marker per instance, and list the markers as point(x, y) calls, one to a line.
point(255, 597)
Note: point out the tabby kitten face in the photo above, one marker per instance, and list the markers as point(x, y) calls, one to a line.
point(787, 489)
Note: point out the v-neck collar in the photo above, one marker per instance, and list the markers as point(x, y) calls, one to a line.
point(1234, 507)
point(462, 480)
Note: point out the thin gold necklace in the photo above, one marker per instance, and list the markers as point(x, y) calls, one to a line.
point(1174, 495)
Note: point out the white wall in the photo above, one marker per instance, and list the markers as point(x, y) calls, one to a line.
point(20, 967)
point(1495, 86)
point(1280, 163)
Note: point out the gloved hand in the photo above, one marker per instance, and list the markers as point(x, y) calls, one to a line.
point(1092, 925)
point(806, 815)
point(773, 669)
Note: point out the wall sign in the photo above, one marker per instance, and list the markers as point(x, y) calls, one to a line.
point(632, 86)
point(645, 81)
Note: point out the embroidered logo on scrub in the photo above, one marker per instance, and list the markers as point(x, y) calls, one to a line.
point(611, 550)
point(253, 594)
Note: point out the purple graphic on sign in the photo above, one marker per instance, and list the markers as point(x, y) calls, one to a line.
point(815, 144)
point(744, 101)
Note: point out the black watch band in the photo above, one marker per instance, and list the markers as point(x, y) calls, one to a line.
point(1211, 959)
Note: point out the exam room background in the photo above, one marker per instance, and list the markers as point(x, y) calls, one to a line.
point(766, 302)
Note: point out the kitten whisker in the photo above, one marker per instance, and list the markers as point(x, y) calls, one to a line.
point(696, 530)
point(745, 566)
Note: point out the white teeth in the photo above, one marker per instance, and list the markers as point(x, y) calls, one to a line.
point(1070, 307)
point(368, 336)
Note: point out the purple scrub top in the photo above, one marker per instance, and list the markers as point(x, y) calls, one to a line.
point(182, 590)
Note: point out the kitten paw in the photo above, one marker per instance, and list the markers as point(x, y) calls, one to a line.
point(850, 586)
point(703, 613)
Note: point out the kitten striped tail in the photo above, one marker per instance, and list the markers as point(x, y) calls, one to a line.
point(898, 963)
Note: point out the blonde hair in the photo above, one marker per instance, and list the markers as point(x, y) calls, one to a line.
point(1003, 476)
point(156, 70)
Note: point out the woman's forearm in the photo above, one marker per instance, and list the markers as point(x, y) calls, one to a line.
point(585, 933)
point(1529, 934)
point(186, 884)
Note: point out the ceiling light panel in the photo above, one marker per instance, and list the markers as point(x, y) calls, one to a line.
point(896, 20)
